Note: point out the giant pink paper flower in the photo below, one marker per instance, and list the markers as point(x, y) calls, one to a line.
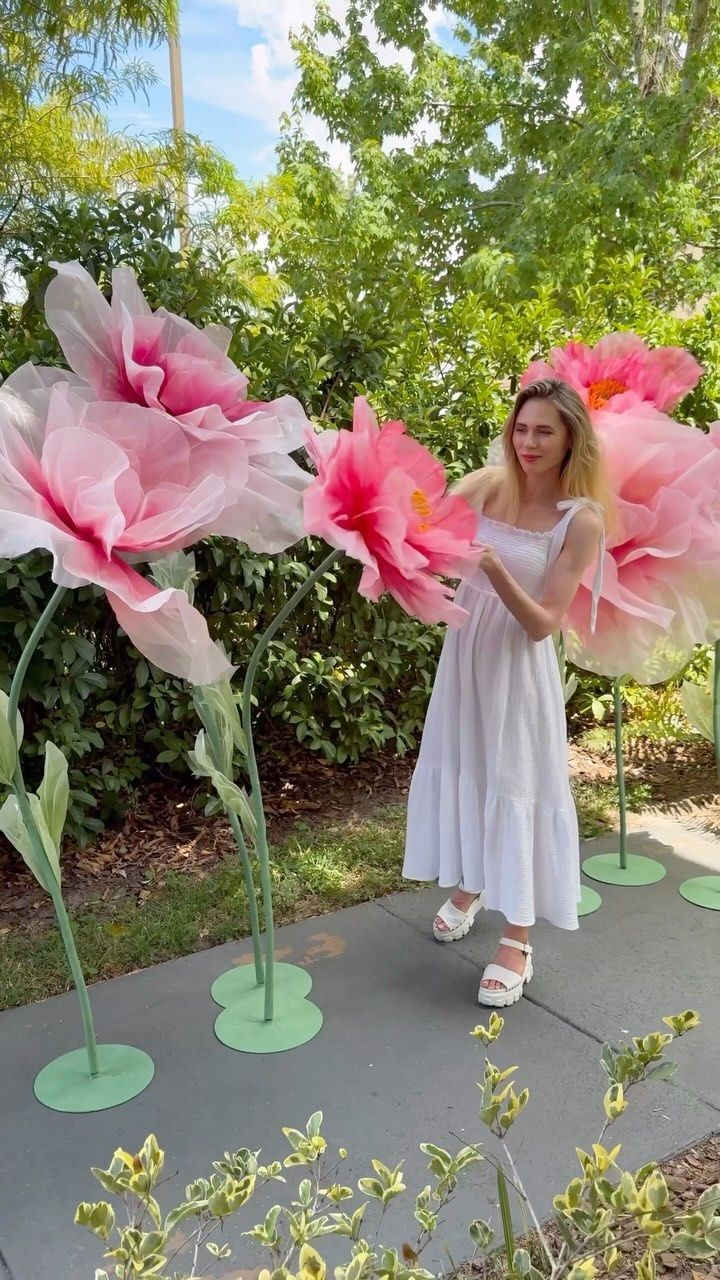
point(661, 582)
point(620, 373)
point(97, 487)
point(126, 353)
point(380, 496)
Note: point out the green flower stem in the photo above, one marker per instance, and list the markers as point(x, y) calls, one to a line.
point(241, 846)
point(53, 887)
point(620, 767)
point(251, 897)
point(36, 635)
point(716, 706)
point(262, 845)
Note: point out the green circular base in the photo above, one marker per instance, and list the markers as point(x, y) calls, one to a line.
point(235, 983)
point(242, 1026)
point(702, 891)
point(605, 867)
point(66, 1083)
point(590, 901)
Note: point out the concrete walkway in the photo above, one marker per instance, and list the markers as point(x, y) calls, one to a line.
point(393, 1066)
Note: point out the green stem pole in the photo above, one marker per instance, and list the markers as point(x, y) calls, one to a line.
point(252, 899)
point(716, 706)
point(620, 768)
point(262, 845)
point(26, 812)
point(242, 849)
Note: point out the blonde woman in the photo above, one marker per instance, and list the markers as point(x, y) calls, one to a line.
point(490, 808)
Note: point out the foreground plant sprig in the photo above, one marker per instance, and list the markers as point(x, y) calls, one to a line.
point(599, 1211)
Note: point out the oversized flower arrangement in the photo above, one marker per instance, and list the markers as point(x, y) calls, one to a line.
point(146, 444)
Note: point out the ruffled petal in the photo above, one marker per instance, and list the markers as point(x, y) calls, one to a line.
point(163, 625)
point(81, 320)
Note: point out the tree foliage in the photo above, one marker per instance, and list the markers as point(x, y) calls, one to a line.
point(546, 142)
point(61, 65)
point(548, 175)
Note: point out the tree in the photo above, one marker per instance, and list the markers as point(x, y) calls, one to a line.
point(61, 64)
point(550, 141)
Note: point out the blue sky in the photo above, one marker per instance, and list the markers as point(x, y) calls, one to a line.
point(238, 77)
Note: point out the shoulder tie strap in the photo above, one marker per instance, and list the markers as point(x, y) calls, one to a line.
point(571, 505)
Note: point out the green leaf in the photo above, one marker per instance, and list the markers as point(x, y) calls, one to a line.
point(481, 1233)
point(98, 1218)
point(662, 1071)
point(521, 1262)
point(233, 797)
point(9, 742)
point(693, 1246)
point(314, 1125)
point(506, 1214)
point(43, 862)
point(697, 705)
point(54, 792)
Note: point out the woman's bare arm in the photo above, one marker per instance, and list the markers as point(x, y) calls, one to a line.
point(540, 618)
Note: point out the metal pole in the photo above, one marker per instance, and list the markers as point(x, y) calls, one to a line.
point(620, 766)
point(716, 705)
point(178, 117)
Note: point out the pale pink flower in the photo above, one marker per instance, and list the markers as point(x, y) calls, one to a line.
point(126, 353)
point(661, 585)
point(381, 497)
point(620, 372)
point(99, 485)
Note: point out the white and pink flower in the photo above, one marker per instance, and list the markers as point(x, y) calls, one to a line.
point(127, 354)
point(98, 486)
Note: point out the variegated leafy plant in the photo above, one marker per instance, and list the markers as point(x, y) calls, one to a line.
point(602, 1207)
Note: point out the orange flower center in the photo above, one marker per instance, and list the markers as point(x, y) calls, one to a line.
point(600, 392)
point(420, 504)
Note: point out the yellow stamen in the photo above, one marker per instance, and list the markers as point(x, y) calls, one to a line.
point(600, 392)
point(420, 504)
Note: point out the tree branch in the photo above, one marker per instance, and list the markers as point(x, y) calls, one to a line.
point(637, 27)
point(696, 38)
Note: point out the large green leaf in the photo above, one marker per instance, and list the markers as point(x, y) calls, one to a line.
point(44, 866)
point(233, 797)
point(54, 792)
point(9, 741)
point(697, 705)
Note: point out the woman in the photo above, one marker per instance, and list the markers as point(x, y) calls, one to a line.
point(490, 808)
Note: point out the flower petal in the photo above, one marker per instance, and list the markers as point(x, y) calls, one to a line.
point(81, 320)
point(267, 513)
point(127, 292)
point(163, 625)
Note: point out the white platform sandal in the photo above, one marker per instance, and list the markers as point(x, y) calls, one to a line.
point(513, 983)
point(458, 922)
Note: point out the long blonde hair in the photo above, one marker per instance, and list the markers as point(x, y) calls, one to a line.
point(582, 474)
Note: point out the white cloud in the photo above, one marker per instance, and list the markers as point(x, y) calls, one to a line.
point(439, 20)
point(259, 81)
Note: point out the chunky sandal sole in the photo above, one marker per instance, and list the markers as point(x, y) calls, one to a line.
point(514, 984)
point(464, 926)
point(504, 999)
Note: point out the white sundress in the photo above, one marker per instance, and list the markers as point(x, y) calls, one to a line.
point(490, 805)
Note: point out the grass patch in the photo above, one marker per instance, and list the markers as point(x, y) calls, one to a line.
point(313, 871)
point(594, 803)
point(597, 803)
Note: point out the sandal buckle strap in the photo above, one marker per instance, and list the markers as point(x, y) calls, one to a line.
point(518, 946)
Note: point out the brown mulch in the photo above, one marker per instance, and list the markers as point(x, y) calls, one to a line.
point(678, 773)
point(165, 830)
point(688, 1175)
point(681, 776)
